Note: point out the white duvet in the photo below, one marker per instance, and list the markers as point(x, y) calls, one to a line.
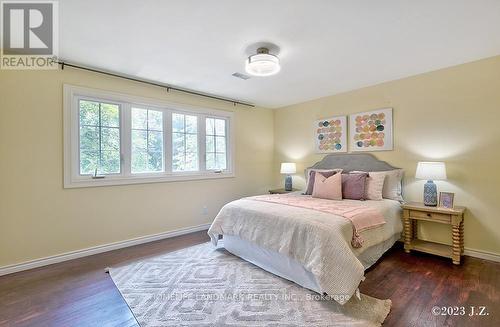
point(319, 241)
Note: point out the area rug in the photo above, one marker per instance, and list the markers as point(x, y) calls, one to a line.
point(204, 286)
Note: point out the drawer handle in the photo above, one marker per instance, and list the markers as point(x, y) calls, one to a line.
point(429, 215)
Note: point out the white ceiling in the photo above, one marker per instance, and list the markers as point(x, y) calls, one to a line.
point(326, 46)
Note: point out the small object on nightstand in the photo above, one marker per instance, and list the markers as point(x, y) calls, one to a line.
point(446, 199)
point(416, 211)
point(288, 168)
point(282, 191)
point(430, 171)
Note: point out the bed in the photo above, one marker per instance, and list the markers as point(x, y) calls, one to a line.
point(309, 247)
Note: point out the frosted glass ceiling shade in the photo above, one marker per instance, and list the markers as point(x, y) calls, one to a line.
point(262, 63)
point(288, 168)
point(431, 170)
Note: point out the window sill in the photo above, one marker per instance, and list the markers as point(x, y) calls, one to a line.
point(120, 180)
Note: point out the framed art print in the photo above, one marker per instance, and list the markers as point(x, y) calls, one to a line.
point(446, 199)
point(331, 134)
point(371, 130)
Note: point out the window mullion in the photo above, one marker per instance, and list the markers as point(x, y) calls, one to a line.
point(202, 155)
point(147, 140)
point(185, 144)
point(167, 140)
point(99, 164)
point(229, 145)
point(126, 140)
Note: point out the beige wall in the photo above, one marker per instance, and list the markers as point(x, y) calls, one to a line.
point(450, 115)
point(38, 218)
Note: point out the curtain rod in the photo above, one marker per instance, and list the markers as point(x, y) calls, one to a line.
point(166, 86)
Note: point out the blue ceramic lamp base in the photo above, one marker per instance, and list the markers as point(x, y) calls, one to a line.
point(430, 194)
point(288, 183)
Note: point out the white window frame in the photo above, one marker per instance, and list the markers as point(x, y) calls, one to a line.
point(215, 140)
point(72, 177)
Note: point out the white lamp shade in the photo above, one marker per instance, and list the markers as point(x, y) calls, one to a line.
point(288, 168)
point(431, 170)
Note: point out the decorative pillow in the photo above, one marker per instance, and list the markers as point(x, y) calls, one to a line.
point(391, 180)
point(328, 188)
point(353, 186)
point(311, 174)
point(392, 185)
point(374, 185)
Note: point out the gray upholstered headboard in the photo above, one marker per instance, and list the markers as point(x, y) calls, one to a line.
point(352, 161)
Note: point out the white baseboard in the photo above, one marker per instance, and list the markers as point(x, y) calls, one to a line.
point(97, 249)
point(478, 254)
point(482, 255)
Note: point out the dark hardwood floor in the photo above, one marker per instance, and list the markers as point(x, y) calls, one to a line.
point(80, 293)
point(77, 292)
point(417, 282)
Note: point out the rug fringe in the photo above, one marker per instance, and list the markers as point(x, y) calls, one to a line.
point(387, 309)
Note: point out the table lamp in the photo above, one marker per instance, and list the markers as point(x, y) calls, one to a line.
point(288, 168)
point(430, 171)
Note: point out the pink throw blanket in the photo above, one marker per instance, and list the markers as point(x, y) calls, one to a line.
point(361, 217)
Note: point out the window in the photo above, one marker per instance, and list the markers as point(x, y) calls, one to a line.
point(147, 140)
point(99, 138)
point(113, 139)
point(184, 142)
point(215, 144)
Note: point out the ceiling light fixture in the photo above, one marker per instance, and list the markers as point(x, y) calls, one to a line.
point(263, 63)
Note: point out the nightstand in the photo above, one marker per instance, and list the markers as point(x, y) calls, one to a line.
point(415, 211)
point(282, 191)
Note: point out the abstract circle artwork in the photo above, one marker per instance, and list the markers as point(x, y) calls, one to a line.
point(331, 134)
point(371, 131)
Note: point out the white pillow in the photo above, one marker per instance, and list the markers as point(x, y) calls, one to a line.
point(391, 184)
point(374, 186)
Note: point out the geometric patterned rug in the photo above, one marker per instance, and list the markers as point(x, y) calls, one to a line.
point(205, 286)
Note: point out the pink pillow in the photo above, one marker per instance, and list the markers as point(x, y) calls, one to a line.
point(310, 177)
point(328, 188)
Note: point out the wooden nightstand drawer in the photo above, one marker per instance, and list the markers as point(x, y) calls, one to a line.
point(432, 216)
